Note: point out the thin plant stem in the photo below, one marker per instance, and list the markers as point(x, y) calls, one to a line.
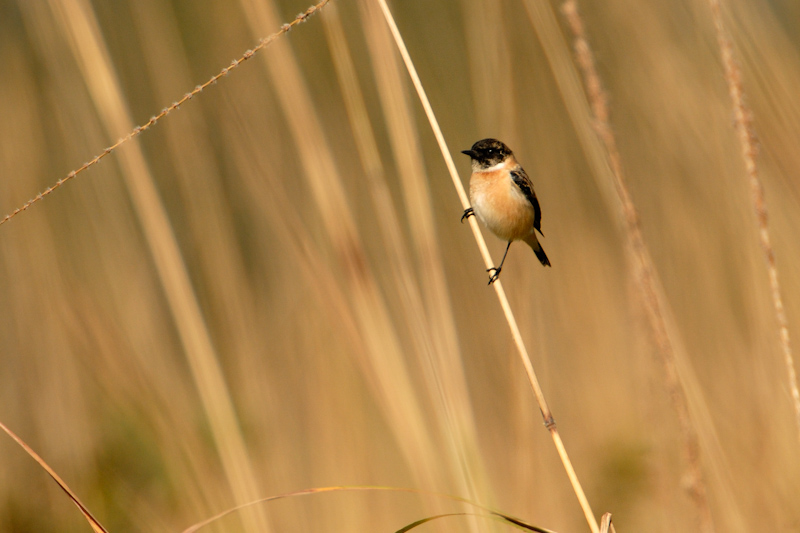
point(263, 43)
point(644, 271)
point(606, 525)
point(747, 139)
point(96, 525)
point(426, 301)
point(384, 364)
point(190, 324)
point(549, 421)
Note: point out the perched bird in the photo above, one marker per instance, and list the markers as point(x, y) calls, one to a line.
point(502, 196)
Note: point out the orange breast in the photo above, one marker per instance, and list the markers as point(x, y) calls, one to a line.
point(500, 205)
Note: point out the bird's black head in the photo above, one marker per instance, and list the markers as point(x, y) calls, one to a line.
point(487, 153)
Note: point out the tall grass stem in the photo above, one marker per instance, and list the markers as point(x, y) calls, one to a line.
point(747, 139)
point(644, 271)
point(501, 295)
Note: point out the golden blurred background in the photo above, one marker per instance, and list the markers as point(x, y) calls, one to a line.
point(270, 289)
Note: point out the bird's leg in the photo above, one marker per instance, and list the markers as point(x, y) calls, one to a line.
point(469, 212)
point(497, 270)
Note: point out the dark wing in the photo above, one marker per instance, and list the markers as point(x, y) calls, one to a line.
point(522, 181)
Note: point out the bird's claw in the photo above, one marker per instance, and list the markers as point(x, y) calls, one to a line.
point(493, 277)
point(469, 212)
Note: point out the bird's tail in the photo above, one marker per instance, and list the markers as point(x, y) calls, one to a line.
point(533, 242)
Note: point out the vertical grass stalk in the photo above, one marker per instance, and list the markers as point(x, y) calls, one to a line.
point(747, 139)
point(84, 37)
point(644, 270)
point(512, 323)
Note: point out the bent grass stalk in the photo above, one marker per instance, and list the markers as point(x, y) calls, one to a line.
point(549, 421)
point(96, 525)
point(302, 17)
point(492, 513)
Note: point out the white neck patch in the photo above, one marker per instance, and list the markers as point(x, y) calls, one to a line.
point(498, 166)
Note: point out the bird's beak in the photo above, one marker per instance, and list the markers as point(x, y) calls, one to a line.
point(470, 153)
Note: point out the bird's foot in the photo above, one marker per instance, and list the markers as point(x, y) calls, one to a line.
point(494, 274)
point(469, 212)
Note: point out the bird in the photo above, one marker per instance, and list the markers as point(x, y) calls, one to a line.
point(502, 197)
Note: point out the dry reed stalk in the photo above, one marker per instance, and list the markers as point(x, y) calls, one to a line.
point(489, 39)
point(119, 358)
point(425, 324)
point(544, 21)
point(93, 58)
point(644, 270)
point(427, 310)
point(96, 525)
point(440, 353)
point(490, 513)
point(135, 132)
point(385, 363)
point(191, 152)
point(549, 421)
point(267, 189)
point(606, 525)
point(389, 223)
point(214, 255)
point(747, 140)
point(360, 315)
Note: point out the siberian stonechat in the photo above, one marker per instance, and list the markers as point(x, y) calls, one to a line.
point(502, 196)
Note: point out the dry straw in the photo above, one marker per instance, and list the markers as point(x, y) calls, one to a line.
point(490, 513)
point(747, 139)
point(382, 359)
point(644, 270)
point(87, 46)
point(426, 301)
point(96, 525)
point(302, 17)
point(549, 421)
point(606, 525)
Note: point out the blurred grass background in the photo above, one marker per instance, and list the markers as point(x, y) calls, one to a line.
point(344, 329)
